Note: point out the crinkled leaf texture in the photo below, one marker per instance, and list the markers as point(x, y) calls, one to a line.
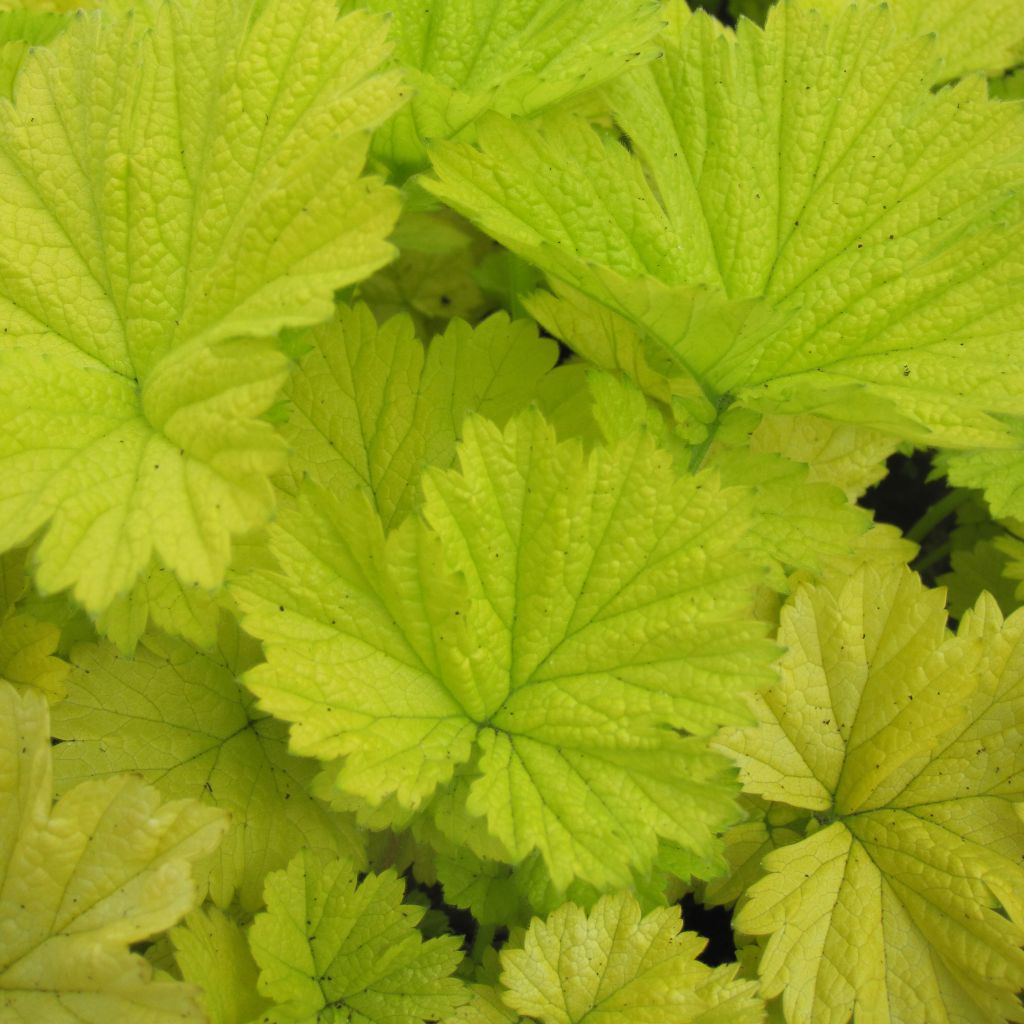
point(549, 631)
point(108, 865)
point(332, 949)
point(371, 408)
point(177, 185)
point(465, 57)
point(800, 221)
point(906, 904)
point(972, 35)
point(615, 967)
point(180, 718)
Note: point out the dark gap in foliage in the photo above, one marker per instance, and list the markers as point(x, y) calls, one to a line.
point(904, 497)
point(461, 921)
point(715, 924)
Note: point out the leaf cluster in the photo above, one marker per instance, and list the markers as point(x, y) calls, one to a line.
point(435, 539)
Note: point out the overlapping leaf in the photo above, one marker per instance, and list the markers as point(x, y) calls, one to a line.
point(551, 628)
point(27, 645)
point(109, 865)
point(330, 948)
point(176, 187)
point(800, 221)
point(465, 57)
point(180, 719)
point(617, 967)
point(371, 408)
point(906, 904)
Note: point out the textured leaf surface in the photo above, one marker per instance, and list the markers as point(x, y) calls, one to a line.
point(907, 744)
point(800, 222)
point(371, 408)
point(332, 949)
point(516, 56)
point(972, 35)
point(177, 186)
point(107, 866)
point(180, 719)
point(212, 952)
point(20, 30)
point(551, 627)
point(617, 967)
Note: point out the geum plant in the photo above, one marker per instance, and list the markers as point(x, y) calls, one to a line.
point(432, 444)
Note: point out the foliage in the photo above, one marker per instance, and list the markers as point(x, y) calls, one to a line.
point(436, 452)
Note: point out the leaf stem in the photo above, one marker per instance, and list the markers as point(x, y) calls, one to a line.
point(939, 511)
point(483, 941)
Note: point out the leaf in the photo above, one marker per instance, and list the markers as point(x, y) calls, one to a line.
point(973, 35)
point(554, 625)
point(178, 717)
point(800, 223)
point(851, 458)
point(27, 645)
point(1000, 474)
point(107, 866)
point(19, 31)
point(432, 278)
point(330, 948)
point(905, 905)
point(615, 967)
point(465, 57)
point(370, 408)
point(212, 952)
point(177, 186)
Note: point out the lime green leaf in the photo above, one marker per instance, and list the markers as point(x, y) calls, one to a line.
point(178, 186)
point(1009, 87)
point(617, 967)
point(972, 35)
point(179, 718)
point(557, 621)
point(800, 222)
point(107, 866)
point(212, 952)
point(330, 948)
point(467, 56)
point(27, 645)
point(158, 598)
point(486, 1007)
point(371, 408)
point(851, 458)
point(906, 904)
point(433, 276)
point(19, 31)
point(1000, 474)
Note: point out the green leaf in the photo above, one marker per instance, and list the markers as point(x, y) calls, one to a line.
point(177, 187)
point(27, 645)
point(20, 30)
point(906, 904)
point(332, 949)
point(178, 717)
point(972, 35)
point(107, 866)
point(212, 952)
point(465, 57)
point(615, 967)
point(800, 223)
point(370, 408)
point(554, 625)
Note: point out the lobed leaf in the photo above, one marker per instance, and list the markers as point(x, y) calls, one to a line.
point(177, 185)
